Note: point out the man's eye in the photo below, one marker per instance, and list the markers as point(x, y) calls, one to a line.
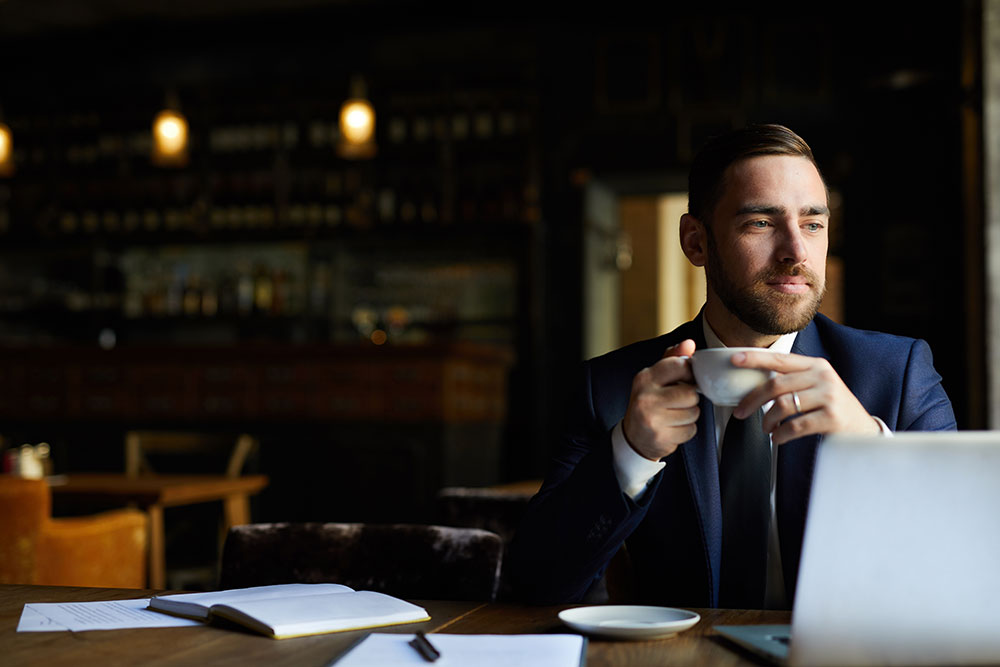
point(814, 226)
point(758, 224)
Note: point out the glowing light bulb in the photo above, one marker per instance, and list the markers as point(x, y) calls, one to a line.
point(171, 131)
point(357, 121)
point(357, 124)
point(6, 151)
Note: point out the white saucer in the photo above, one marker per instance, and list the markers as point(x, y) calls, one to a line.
point(629, 621)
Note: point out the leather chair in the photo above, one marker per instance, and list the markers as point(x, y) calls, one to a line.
point(412, 561)
point(106, 549)
point(497, 508)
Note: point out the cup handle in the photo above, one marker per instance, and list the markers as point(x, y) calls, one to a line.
point(687, 357)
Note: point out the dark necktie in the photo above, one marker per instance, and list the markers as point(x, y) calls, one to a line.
point(745, 483)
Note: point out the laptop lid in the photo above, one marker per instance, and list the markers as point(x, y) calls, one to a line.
point(901, 555)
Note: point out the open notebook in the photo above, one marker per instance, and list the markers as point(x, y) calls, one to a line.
point(901, 557)
point(293, 610)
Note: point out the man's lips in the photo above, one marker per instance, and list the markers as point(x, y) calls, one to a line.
point(790, 284)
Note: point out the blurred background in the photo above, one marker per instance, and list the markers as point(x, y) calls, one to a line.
point(395, 314)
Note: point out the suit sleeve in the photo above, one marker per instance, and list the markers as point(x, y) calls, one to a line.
point(578, 520)
point(925, 405)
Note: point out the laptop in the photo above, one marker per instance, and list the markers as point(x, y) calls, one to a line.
point(901, 556)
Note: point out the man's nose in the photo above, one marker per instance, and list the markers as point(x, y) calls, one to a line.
point(793, 248)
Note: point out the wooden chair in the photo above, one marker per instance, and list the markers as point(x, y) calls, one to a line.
point(188, 452)
point(105, 550)
point(140, 445)
point(412, 561)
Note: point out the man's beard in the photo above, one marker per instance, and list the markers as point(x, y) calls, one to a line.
point(760, 307)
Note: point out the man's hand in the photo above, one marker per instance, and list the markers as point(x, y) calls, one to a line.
point(825, 402)
point(663, 408)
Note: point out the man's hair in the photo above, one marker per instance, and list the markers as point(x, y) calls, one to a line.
point(706, 180)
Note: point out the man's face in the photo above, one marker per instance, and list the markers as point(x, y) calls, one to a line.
point(767, 243)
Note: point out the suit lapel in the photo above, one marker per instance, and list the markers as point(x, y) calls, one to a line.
point(795, 470)
point(701, 462)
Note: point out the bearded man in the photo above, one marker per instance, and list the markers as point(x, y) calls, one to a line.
point(643, 461)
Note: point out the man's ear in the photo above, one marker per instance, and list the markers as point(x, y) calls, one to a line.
point(694, 242)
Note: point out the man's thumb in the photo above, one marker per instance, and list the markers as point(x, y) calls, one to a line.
point(685, 348)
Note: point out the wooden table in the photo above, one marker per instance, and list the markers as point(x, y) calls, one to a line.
point(153, 493)
point(207, 645)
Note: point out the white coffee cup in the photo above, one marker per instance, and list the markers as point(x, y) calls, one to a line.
point(719, 380)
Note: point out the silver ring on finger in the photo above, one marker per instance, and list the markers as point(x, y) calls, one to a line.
point(795, 400)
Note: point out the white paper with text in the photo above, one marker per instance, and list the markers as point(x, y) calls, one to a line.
point(103, 615)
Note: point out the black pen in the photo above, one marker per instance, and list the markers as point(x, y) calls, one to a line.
point(425, 648)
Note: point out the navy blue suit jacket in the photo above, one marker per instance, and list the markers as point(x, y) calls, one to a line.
point(580, 517)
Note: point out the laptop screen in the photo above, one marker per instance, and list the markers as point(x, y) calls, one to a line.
point(901, 556)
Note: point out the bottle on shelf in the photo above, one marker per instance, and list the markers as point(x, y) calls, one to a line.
point(175, 291)
point(209, 299)
point(244, 290)
point(228, 298)
point(263, 290)
point(319, 288)
point(192, 295)
point(387, 206)
point(282, 291)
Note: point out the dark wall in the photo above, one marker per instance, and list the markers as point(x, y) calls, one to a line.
point(878, 94)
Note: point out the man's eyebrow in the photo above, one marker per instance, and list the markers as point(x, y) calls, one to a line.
point(816, 209)
point(770, 209)
point(766, 209)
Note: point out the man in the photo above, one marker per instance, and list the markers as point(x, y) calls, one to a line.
point(646, 459)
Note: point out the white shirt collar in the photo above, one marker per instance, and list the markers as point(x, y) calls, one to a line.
point(783, 344)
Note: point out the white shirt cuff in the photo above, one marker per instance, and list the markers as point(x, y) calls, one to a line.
point(881, 424)
point(633, 471)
